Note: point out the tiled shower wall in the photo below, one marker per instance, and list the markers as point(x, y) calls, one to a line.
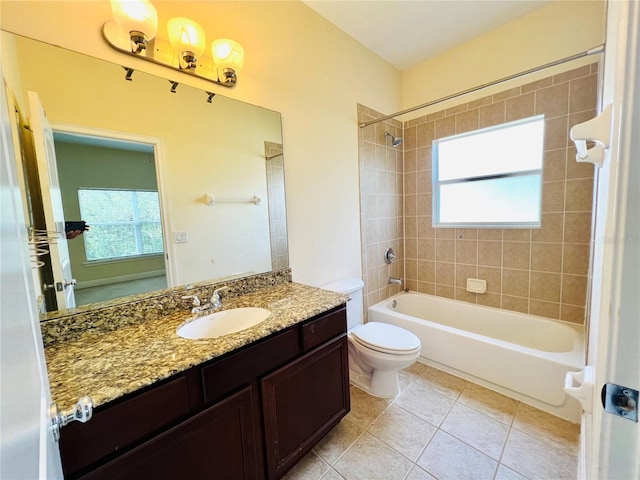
point(277, 211)
point(538, 271)
point(381, 209)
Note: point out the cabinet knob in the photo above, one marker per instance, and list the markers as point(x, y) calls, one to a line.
point(82, 412)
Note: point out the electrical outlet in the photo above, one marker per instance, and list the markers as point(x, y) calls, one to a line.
point(180, 237)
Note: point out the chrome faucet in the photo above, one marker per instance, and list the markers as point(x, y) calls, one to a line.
point(216, 300)
point(398, 281)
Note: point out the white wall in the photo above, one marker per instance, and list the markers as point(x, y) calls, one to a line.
point(296, 63)
point(558, 30)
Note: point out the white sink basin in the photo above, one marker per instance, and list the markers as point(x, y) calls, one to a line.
point(222, 323)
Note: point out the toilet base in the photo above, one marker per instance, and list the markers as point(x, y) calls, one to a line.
point(383, 384)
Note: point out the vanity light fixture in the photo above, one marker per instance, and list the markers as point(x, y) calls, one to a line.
point(133, 31)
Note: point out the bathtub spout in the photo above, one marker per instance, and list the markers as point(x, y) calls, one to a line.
point(398, 281)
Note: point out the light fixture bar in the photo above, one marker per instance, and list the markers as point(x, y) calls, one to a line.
point(120, 42)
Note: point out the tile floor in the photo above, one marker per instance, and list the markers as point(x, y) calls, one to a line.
point(442, 427)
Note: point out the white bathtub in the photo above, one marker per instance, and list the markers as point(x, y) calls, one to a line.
point(523, 356)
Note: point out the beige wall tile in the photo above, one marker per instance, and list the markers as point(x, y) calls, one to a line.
point(512, 92)
point(537, 85)
point(410, 248)
point(445, 273)
point(463, 272)
point(552, 228)
point(490, 115)
point(424, 203)
point(522, 106)
point(516, 255)
point(490, 253)
point(553, 101)
point(572, 313)
point(466, 233)
point(555, 133)
point(446, 126)
point(467, 121)
point(458, 108)
point(411, 269)
point(489, 300)
point(578, 169)
point(544, 309)
point(545, 286)
point(480, 102)
point(445, 291)
point(464, 296)
point(518, 304)
point(516, 282)
point(428, 288)
point(582, 91)
point(425, 230)
point(576, 258)
point(409, 138)
point(466, 251)
point(516, 235)
point(574, 289)
point(423, 158)
point(577, 227)
point(445, 233)
point(425, 132)
point(546, 257)
point(493, 277)
point(426, 271)
point(489, 234)
point(426, 249)
point(553, 197)
point(445, 250)
point(579, 195)
point(571, 74)
point(555, 165)
point(410, 162)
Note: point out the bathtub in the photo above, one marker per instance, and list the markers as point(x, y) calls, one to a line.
point(523, 356)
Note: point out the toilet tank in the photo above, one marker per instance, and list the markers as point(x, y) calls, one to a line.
point(352, 287)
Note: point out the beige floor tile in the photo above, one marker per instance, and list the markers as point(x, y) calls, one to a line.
point(332, 475)
point(447, 458)
point(403, 431)
point(535, 458)
point(417, 473)
point(338, 440)
point(370, 458)
point(478, 430)
point(505, 473)
point(311, 467)
point(442, 382)
point(408, 375)
point(557, 431)
point(365, 408)
point(424, 403)
point(491, 403)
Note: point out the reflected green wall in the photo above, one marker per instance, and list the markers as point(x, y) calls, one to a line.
point(85, 166)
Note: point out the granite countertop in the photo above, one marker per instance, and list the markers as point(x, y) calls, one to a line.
point(108, 365)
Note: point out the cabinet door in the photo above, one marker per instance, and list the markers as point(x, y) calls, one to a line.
point(216, 443)
point(302, 402)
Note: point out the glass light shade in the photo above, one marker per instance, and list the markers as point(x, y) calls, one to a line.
point(227, 54)
point(136, 16)
point(186, 35)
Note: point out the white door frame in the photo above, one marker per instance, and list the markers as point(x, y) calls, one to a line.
point(159, 155)
point(613, 443)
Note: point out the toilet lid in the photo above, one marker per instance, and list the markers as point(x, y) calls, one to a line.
point(386, 338)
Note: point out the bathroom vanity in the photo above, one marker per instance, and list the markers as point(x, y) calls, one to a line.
point(245, 406)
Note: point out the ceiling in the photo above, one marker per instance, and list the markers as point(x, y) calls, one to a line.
point(408, 32)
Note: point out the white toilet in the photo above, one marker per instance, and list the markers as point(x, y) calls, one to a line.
point(377, 351)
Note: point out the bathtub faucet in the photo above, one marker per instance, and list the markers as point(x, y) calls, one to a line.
point(398, 281)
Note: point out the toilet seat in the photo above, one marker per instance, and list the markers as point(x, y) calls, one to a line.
point(386, 338)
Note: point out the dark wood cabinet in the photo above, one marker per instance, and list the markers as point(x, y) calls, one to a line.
point(251, 414)
point(302, 402)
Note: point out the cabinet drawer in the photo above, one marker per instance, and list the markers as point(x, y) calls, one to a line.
point(242, 368)
point(324, 328)
point(122, 425)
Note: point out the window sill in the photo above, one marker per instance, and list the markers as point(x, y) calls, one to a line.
point(133, 258)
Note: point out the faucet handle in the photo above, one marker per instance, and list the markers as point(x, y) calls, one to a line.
point(218, 291)
point(195, 300)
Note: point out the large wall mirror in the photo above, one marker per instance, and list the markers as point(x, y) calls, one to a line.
point(215, 163)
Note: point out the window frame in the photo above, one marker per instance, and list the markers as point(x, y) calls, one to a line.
point(436, 184)
point(136, 223)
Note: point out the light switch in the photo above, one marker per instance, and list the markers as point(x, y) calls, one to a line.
point(180, 237)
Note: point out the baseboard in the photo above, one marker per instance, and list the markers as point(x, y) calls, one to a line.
point(119, 279)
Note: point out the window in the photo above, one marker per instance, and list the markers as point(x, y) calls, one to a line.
point(490, 177)
point(123, 223)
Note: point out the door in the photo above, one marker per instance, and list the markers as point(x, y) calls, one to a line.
point(27, 448)
point(51, 202)
point(613, 442)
